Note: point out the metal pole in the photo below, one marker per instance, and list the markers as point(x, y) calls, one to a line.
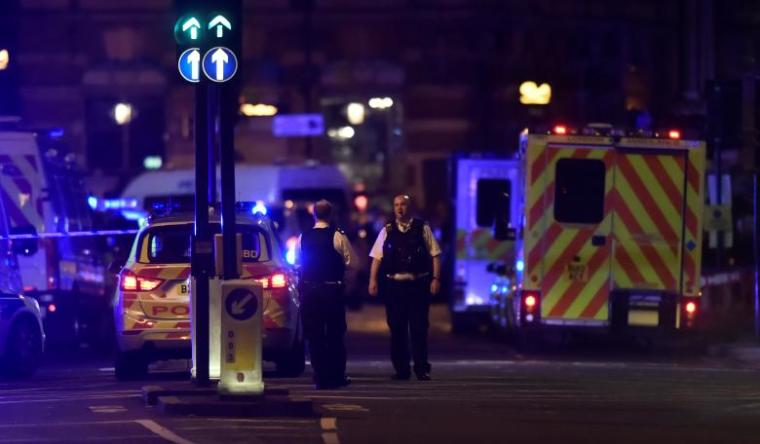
point(201, 245)
point(226, 129)
point(756, 255)
point(308, 74)
point(213, 142)
point(125, 146)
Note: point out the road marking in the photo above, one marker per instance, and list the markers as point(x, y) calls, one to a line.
point(68, 399)
point(365, 398)
point(113, 438)
point(330, 438)
point(162, 431)
point(343, 408)
point(256, 420)
point(329, 423)
point(107, 408)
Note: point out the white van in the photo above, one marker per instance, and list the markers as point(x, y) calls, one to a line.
point(44, 199)
point(284, 191)
point(271, 184)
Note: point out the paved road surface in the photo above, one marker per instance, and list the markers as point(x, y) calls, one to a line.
point(483, 391)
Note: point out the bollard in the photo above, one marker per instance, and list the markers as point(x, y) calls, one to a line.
point(241, 324)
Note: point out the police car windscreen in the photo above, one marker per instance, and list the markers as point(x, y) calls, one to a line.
point(170, 244)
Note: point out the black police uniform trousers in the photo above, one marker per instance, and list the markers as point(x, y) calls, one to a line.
point(323, 316)
point(407, 305)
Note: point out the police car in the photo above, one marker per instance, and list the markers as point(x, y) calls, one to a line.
point(152, 307)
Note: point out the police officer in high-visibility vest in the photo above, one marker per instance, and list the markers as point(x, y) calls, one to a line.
point(406, 267)
point(324, 254)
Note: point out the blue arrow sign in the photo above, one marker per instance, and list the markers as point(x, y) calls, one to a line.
point(219, 64)
point(189, 65)
point(241, 304)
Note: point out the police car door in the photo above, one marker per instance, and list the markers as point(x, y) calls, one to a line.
point(573, 208)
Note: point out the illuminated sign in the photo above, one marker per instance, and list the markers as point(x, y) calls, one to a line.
point(532, 94)
point(220, 22)
point(220, 64)
point(189, 65)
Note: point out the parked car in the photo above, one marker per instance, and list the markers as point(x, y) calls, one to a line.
point(22, 338)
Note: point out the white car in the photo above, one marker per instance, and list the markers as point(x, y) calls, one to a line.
point(22, 338)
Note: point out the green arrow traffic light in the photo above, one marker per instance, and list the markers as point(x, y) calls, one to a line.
point(193, 25)
point(220, 22)
point(189, 29)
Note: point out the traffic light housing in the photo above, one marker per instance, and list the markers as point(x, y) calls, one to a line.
point(206, 26)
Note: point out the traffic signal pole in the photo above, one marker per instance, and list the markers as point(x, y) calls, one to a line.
point(208, 35)
point(227, 157)
point(201, 251)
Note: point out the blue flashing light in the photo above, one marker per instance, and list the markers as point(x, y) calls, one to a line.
point(494, 288)
point(133, 215)
point(259, 208)
point(290, 256)
point(520, 265)
point(504, 289)
point(55, 133)
point(92, 201)
point(114, 204)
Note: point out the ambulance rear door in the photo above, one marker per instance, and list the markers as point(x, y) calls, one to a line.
point(655, 226)
point(569, 215)
point(486, 190)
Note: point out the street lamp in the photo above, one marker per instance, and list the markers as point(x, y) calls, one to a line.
point(123, 113)
point(5, 58)
point(355, 113)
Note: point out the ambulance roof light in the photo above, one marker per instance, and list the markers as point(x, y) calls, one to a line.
point(560, 130)
point(674, 134)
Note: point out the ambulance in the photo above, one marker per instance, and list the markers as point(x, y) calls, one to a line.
point(484, 191)
point(610, 233)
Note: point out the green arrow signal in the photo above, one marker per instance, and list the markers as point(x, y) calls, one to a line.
point(193, 25)
point(220, 22)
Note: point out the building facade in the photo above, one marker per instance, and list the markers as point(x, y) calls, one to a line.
point(452, 68)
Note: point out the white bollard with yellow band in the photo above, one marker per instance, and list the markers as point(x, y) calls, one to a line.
point(241, 324)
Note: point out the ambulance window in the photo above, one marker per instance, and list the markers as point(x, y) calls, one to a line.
point(579, 191)
point(492, 201)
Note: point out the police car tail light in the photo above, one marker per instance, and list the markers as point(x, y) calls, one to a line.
point(129, 282)
point(146, 284)
point(278, 280)
point(132, 282)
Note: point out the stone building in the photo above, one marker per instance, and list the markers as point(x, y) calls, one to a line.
point(452, 69)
